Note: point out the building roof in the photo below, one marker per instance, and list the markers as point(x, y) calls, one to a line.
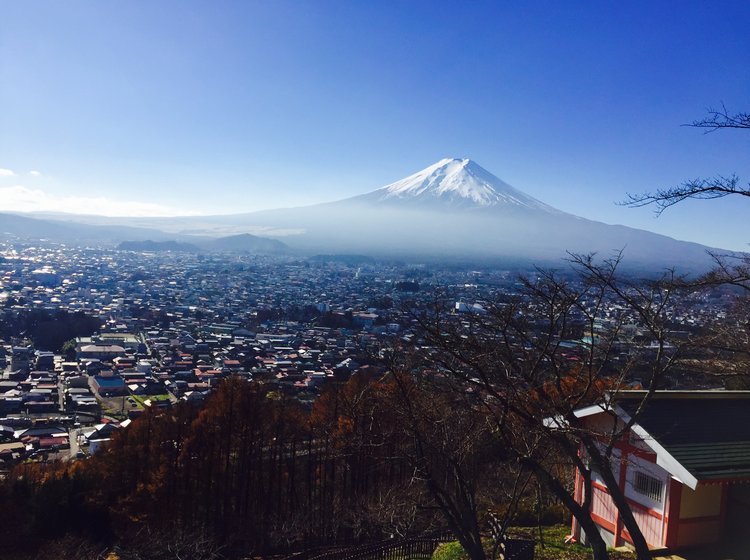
point(707, 432)
point(108, 348)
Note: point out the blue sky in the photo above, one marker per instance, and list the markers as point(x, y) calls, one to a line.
point(153, 107)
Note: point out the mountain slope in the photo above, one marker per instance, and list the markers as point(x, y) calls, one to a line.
point(454, 183)
point(451, 209)
point(158, 246)
point(455, 208)
point(128, 238)
point(246, 243)
point(71, 231)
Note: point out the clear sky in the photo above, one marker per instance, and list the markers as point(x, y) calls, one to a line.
point(164, 107)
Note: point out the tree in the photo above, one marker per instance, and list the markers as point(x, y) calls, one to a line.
point(68, 349)
point(728, 269)
point(528, 379)
point(453, 452)
point(701, 188)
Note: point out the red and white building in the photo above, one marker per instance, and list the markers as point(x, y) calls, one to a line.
point(683, 468)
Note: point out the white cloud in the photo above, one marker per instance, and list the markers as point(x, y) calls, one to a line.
point(23, 199)
point(6, 172)
point(35, 173)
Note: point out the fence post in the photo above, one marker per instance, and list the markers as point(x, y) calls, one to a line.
point(498, 534)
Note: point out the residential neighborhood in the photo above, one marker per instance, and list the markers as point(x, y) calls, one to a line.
point(94, 338)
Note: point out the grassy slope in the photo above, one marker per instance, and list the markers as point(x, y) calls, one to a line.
point(552, 548)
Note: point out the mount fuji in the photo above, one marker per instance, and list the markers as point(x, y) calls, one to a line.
point(453, 183)
point(457, 209)
point(453, 209)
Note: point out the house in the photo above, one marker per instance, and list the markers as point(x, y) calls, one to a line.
point(684, 467)
point(109, 385)
point(106, 352)
point(11, 451)
point(98, 435)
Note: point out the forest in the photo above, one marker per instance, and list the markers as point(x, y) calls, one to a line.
point(48, 330)
point(253, 472)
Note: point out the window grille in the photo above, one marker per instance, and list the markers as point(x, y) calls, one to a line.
point(648, 486)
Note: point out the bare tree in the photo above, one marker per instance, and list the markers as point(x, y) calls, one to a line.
point(522, 372)
point(729, 339)
point(700, 188)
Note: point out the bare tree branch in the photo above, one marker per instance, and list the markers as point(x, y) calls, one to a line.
point(700, 189)
point(721, 118)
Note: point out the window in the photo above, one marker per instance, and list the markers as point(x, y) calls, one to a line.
point(648, 486)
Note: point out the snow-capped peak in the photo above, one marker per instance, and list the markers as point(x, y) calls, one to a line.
point(458, 182)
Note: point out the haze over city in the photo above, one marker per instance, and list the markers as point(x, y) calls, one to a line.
point(180, 108)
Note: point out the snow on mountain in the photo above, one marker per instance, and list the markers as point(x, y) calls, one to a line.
point(455, 208)
point(457, 182)
point(452, 209)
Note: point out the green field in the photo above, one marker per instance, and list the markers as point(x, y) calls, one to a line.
point(141, 399)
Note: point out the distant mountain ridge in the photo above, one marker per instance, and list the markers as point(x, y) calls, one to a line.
point(457, 209)
point(158, 246)
point(70, 231)
point(243, 243)
point(129, 238)
point(246, 242)
point(452, 209)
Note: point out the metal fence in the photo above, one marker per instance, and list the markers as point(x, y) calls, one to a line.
point(416, 548)
point(518, 549)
